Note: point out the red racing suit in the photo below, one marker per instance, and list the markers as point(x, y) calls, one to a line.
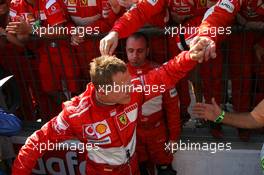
point(57, 62)
point(210, 71)
point(97, 17)
point(146, 9)
point(188, 13)
point(180, 11)
point(249, 14)
point(110, 128)
point(157, 50)
point(158, 123)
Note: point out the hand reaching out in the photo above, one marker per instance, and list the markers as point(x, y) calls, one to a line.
point(19, 27)
point(207, 111)
point(208, 47)
point(109, 43)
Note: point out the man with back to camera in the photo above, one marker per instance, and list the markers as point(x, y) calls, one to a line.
point(104, 118)
point(159, 121)
point(249, 120)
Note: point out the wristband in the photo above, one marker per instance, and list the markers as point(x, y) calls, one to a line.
point(220, 118)
point(35, 26)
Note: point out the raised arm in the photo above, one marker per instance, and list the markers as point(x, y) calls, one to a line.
point(130, 22)
point(213, 112)
point(56, 130)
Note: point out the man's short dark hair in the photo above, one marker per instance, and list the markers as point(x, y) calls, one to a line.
point(138, 35)
point(103, 68)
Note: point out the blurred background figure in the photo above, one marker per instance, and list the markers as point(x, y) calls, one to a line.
point(159, 122)
point(10, 125)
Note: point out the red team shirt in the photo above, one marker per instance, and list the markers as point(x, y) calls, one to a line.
point(48, 11)
point(111, 127)
point(154, 110)
point(225, 10)
point(93, 13)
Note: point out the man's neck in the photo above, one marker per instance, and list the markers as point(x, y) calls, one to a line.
point(101, 101)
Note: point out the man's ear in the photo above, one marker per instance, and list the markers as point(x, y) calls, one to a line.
point(148, 50)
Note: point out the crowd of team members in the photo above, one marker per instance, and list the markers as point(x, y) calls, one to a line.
point(60, 63)
point(62, 66)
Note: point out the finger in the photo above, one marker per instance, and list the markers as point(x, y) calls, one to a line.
point(259, 57)
point(207, 53)
point(101, 46)
point(11, 30)
point(194, 41)
point(106, 48)
point(21, 19)
point(198, 114)
point(113, 47)
point(74, 43)
point(213, 101)
point(198, 110)
point(11, 27)
point(199, 46)
point(200, 107)
point(212, 50)
point(14, 23)
point(197, 104)
point(76, 39)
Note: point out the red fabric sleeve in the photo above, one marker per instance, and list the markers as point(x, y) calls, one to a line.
point(171, 106)
point(220, 15)
point(166, 76)
point(136, 17)
point(14, 10)
point(56, 130)
point(54, 11)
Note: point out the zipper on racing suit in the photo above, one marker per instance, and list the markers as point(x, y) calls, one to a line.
point(128, 161)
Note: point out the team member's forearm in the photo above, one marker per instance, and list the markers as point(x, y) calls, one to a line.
point(241, 120)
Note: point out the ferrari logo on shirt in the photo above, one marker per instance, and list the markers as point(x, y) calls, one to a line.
point(30, 17)
point(123, 119)
point(72, 2)
point(83, 3)
point(203, 3)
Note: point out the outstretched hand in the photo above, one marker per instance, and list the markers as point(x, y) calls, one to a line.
point(109, 43)
point(203, 48)
point(207, 111)
point(20, 27)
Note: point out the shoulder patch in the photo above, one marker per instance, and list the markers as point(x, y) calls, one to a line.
point(227, 5)
point(152, 2)
point(12, 13)
point(173, 92)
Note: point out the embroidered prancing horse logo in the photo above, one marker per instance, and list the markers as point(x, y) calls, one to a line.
point(123, 119)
